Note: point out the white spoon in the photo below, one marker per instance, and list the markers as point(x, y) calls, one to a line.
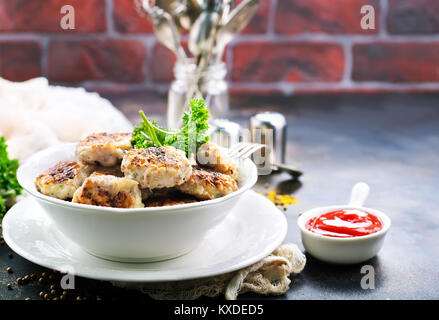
point(359, 194)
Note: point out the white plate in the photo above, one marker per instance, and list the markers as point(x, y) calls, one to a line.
point(250, 232)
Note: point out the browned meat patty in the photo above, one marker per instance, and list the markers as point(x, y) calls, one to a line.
point(205, 184)
point(211, 156)
point(62, 180)
point(105, 190)
point(103, 149)
point(156, 167)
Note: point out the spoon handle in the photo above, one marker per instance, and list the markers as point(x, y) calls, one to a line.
point(288, 169)
point(359, 194)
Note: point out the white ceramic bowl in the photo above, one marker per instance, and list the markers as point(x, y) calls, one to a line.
point(131, 235)
point(344, 250)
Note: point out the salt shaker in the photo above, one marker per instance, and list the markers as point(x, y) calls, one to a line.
point(224, 133)
point(270, 128)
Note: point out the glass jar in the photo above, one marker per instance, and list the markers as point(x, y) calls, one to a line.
point(211, 86)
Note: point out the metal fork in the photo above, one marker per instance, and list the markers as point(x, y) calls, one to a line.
point(243, 150)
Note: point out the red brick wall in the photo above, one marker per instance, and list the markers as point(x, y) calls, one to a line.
point(291, 46)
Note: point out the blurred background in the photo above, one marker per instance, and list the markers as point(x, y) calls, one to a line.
point(291, 46)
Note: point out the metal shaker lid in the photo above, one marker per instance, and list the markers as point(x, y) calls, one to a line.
point(274, 119)
point(224, 133)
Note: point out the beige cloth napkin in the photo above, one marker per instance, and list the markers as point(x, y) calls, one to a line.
point(270, 276)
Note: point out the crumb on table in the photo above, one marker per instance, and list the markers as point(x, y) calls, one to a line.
point(282, 201)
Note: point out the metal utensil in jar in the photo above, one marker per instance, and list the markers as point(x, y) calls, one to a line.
point(178, 11)
point(226, 7)
point(201, 40)
point(166, 30)
point(237, 20)
point(188, 13)
point(202, 32)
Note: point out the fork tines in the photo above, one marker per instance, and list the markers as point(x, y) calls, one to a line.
point(244, 150)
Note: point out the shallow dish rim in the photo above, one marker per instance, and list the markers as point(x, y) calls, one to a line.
point(246, 185)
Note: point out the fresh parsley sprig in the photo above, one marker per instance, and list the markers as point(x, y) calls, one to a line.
point(9, 186)
point(188, 138)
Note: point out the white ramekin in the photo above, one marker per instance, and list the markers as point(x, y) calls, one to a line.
point(344, 250)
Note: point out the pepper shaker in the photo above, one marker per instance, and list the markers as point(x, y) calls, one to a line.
point(270, 128)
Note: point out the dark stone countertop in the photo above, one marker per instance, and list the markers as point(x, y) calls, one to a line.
point(389, 141)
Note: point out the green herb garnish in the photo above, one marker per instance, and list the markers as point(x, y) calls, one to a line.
point(188, 138)
point(9, 186)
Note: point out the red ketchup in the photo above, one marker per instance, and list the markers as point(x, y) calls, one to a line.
point(345, 223)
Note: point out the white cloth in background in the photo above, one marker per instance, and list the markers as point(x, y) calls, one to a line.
point(35, 115)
